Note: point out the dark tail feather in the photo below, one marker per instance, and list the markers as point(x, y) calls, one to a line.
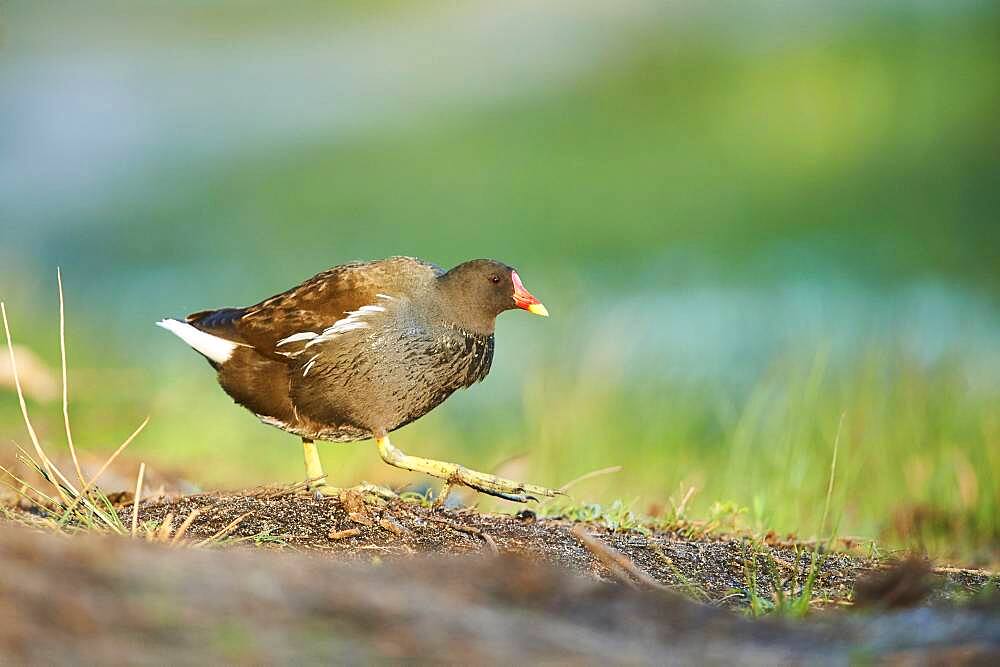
point(222, 318)
point(224, 323)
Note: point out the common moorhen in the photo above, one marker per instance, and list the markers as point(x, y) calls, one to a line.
point(362, 349)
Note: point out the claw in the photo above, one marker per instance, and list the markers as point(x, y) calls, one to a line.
point(513, 497)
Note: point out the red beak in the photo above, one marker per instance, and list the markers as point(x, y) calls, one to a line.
point(524, 299)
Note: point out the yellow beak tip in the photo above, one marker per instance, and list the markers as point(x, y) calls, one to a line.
point(538, 309)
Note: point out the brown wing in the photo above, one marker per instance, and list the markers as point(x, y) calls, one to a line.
point(314, 305)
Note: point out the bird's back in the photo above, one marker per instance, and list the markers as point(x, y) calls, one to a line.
point(316, 303)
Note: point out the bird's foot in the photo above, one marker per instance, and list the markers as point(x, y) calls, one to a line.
point(453, 473)
point(369, 491)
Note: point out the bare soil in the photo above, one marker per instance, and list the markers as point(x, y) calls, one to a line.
point(714, 569)
point(290, 577)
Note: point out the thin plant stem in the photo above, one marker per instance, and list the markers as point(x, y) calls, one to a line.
point(138, 495)
point(24, 406)
point(833, 472)
point(65, 386)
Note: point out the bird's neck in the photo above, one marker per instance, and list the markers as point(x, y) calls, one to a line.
point(457, 309)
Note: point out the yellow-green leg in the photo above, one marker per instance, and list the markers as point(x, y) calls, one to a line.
point(316, 478)
point(453, 473)
point(314, 468)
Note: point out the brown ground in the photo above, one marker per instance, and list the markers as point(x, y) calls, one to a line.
point(453, 586)
point(714, 570)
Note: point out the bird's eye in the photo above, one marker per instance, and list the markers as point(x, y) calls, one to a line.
point(495, 279)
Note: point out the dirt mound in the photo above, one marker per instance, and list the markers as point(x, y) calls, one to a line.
point(723, 571)
point(110, 600)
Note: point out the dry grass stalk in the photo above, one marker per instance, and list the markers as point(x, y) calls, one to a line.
point(225, 532)
point(692, 589)
point(162, 534)
point(24, 406)
point(183, 528)
point(121, 448)
point(615, 560)
point(681, 509)
point(69, 496)
point(272, 493)
point(469, 530)
point(590, 475)
point(138, 497)
point(490, 542)
point(65, 384)
point(25, 486)
point(93, 480)
point(833, 472)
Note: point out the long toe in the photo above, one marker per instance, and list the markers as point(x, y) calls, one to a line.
point(502, 488)
point(376, 490)
point(367, 489)
point(541, 491)
point(514, 497)
point(325, 491)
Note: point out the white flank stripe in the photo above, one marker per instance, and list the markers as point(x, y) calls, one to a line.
point(346, 325)
point(294, 338)
point(353, 321)
point(217, 349)
point(309, 364)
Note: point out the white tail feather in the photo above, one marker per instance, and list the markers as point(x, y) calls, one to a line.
point(217, 349)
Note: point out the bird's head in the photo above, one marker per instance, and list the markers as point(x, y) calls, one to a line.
point(484, 288)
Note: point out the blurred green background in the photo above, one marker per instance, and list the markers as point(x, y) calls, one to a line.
point(746, 222)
